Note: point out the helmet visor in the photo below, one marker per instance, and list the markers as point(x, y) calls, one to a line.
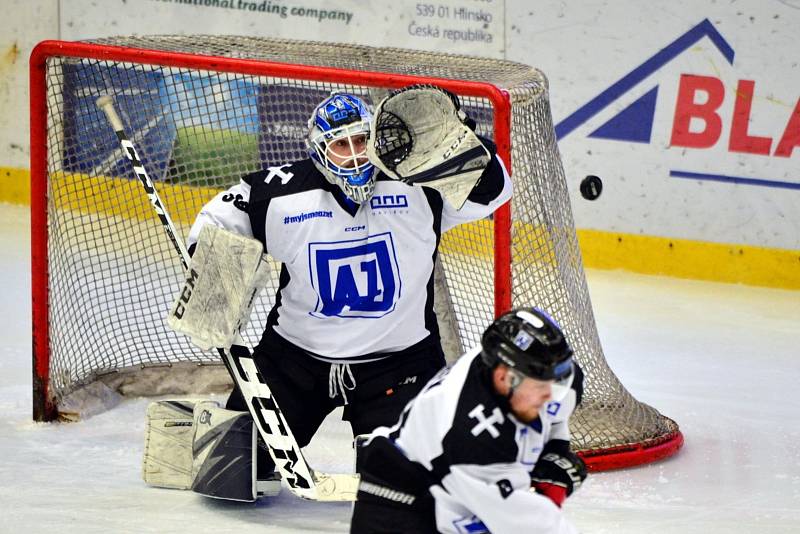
point(565, 374)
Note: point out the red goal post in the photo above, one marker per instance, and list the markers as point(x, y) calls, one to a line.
point(80, 211)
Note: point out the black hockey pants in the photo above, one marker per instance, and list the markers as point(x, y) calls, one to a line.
point(300, 384)
point(393, 496)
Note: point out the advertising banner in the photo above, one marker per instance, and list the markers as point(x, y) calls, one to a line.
point(692, 122)
point(474, 27)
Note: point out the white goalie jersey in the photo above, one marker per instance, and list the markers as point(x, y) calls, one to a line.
point(355, 280)
point(479, 456)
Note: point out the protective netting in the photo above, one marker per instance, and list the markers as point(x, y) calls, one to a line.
point(113, 273)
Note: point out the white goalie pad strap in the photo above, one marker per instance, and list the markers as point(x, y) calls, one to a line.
point(169, 430)
point(419, 136)
point(225, 275)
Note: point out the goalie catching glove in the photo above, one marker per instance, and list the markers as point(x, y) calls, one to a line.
point(421, 136)
point(558, 472)
point(224, 277)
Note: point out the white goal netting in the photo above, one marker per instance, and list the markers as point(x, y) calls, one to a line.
point(205, 110)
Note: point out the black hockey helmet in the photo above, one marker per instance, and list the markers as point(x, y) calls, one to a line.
point(530, 342)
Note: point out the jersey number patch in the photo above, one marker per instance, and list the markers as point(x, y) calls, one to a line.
point(358, 278)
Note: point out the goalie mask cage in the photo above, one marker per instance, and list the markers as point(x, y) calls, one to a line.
point(204, 110)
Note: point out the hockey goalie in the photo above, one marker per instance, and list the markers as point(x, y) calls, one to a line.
point(355, 227)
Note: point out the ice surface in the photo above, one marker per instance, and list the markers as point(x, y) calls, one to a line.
point(720, 359)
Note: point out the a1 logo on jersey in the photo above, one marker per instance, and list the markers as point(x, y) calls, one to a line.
point(357, 278)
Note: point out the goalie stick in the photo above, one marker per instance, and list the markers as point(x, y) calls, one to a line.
point(301, 479)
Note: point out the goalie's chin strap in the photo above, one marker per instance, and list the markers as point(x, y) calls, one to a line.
point(337, 382)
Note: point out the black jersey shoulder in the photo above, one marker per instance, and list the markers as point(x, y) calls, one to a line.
point(274, 182)
point(491, 182)
point(478, 436)
point(288, 179)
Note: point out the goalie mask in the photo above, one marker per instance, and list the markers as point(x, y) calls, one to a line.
point(531, 344)
point(337, 143)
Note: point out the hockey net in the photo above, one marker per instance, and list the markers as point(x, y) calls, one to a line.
point(203, 111)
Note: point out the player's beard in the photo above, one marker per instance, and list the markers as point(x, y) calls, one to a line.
point(524, 411)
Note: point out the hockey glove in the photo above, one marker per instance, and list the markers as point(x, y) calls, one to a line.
point(421, 136)
point(558, 474)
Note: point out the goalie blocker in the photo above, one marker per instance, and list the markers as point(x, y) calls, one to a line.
point(225, 274)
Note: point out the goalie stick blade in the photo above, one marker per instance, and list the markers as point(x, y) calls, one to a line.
point(336, 487)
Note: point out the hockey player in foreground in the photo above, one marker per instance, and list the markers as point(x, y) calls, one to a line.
point(353, 322)
point(466, 452)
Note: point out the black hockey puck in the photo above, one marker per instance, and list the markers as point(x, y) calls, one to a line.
point(591, 187)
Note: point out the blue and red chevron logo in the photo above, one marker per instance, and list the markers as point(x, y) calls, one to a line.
point(699, 101)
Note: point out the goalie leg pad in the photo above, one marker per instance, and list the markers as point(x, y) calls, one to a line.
point(169, 428)
point(224, 450)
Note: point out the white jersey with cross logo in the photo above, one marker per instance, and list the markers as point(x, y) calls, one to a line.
point(355, 279)
point(481, 455)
